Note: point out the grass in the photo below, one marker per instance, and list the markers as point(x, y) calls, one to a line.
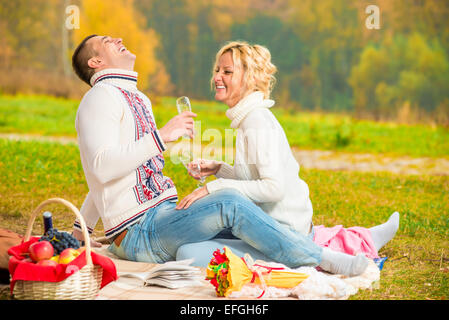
point(40, 115)
point(418, 257)
point(33, 171)
point(417, 265)
point(43, 115)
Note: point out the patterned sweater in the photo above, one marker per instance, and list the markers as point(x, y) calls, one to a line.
point(121, 153)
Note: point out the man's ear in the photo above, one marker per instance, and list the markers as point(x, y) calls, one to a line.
point(95, 62)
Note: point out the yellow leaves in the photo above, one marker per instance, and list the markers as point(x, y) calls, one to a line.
point(332, 24)
point(221, 22)
point(221, 14)
point(426, 59)
point(119, 18)
point(6, 50)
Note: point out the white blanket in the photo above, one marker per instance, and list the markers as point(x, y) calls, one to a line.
point(318, 286)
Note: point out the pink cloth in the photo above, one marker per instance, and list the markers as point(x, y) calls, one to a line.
point(348, 240)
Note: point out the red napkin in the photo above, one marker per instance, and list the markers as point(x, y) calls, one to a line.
point(23, 270)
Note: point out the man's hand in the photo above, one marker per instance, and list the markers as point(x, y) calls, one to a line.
point(79, 235)
point(178, 126)
point(191, 198)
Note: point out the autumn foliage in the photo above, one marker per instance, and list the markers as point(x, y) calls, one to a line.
point(327, 58)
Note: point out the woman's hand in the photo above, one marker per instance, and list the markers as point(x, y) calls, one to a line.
point(191, 198)
point(208, 168)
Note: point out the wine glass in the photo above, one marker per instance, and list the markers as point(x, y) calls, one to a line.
point(195, 168)
point(183, 104)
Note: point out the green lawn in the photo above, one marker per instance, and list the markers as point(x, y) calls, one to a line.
point(43, 115)
point(417, 265)
point(418, 257)
point(34, 114)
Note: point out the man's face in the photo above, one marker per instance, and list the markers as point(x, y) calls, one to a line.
point(110, 53)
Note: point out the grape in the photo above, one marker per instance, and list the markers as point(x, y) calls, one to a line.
point(60, 240)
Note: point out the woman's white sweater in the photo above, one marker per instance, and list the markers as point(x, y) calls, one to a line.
point(265, 169)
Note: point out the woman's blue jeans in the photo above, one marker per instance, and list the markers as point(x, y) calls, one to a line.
point(201, 251)
point(157, 237)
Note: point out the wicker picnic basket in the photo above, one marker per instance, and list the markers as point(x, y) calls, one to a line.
point(83, 284)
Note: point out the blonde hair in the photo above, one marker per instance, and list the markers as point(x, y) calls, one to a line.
point(255, 63)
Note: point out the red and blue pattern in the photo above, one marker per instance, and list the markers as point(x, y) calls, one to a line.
point(150, 181)
point(128, 222)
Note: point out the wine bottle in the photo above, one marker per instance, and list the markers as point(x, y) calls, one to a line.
point(48, 222)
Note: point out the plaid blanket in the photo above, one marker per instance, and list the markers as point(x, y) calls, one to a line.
point(319, 285)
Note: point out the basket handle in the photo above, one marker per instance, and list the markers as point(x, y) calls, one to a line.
point(74, 210)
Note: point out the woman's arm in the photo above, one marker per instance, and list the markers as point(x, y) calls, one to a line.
point(225, 171)
point(263, 150)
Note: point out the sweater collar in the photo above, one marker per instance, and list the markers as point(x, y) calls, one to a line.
point(252, 101)
point(118, 77)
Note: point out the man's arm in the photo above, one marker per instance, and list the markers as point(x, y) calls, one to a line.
point(98, 126)
point(90, 215)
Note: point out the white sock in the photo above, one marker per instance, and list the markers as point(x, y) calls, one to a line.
point(383, 233)
point(342, 263)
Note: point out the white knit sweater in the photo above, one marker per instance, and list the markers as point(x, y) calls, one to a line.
point(121, 153)
point(265, 169)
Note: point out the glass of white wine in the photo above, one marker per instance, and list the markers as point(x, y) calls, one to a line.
point(183, 104)
point(194, 168)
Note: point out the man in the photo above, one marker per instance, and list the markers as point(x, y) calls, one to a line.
point(121, 151)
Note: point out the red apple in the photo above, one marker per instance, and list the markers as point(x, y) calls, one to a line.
point(47, 263)
point(68, 255)
point(41, 250)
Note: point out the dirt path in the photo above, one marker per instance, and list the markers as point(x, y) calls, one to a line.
point(333, 160)
point(30, 137)
point(327, 160)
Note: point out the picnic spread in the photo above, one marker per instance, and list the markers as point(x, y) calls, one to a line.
point(312, 284)
point(62, 270)
point(318, 285)
point(55, 266)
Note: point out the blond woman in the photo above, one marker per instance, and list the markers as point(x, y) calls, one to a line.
point(265, 170)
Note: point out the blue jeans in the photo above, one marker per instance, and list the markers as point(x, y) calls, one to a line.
point(201, 252)
point(157, 237)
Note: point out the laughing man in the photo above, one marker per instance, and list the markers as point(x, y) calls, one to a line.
point(121, 151)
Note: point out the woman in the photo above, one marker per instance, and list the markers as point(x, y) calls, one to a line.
point(265, 169)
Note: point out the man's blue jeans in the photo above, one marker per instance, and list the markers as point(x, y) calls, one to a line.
point(158, 235)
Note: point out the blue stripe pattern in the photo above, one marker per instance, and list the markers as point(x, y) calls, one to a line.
point(122, 227)
point(117, 77)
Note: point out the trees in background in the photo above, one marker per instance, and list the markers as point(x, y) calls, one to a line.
point(401, 72)
point(327, 58)
point(119, 18)
point(191, 32)
point(30, 34)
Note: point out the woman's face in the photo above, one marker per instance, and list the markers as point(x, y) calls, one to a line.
point(228, 81)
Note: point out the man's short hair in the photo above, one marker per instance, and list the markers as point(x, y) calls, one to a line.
point(80, 57)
